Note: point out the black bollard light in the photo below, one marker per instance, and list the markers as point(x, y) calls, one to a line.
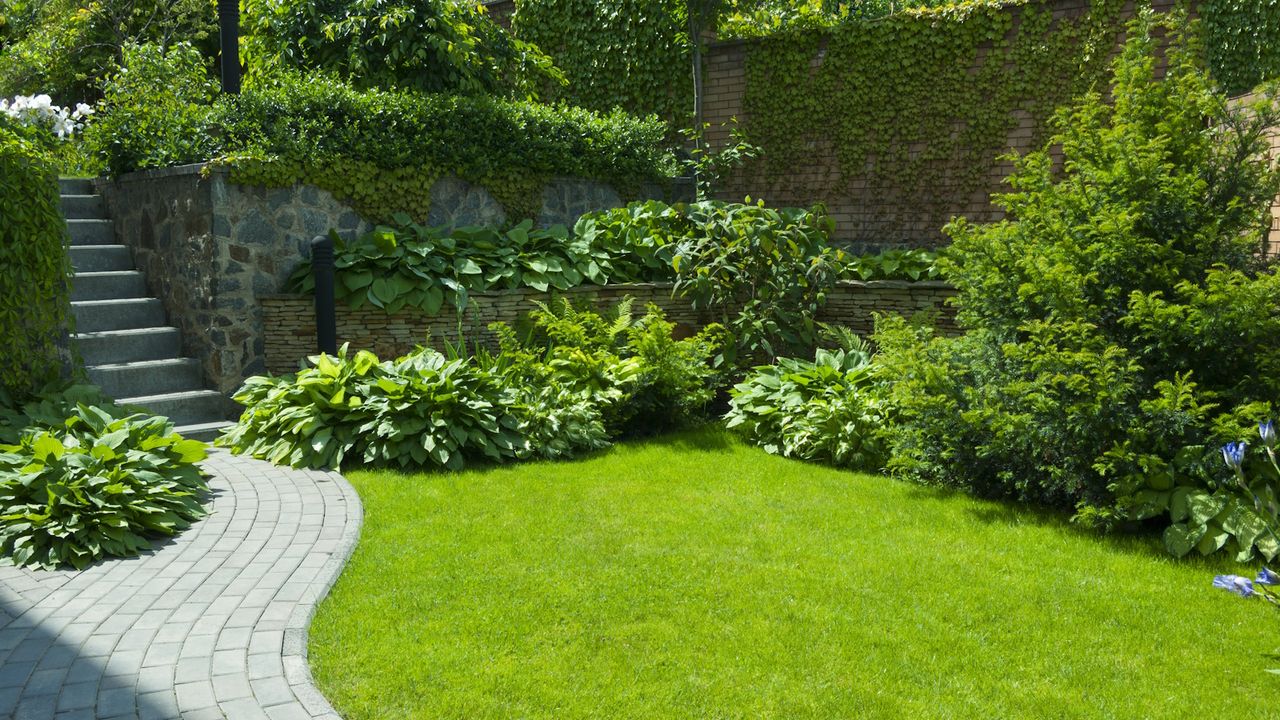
point(229, 30)
point(326, 310)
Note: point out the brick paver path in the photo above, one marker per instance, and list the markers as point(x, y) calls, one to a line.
point(211, 624)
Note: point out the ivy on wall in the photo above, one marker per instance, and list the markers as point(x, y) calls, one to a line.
point(1242, 41)
point(921, 100)
point(34, 292)
point(632, 54)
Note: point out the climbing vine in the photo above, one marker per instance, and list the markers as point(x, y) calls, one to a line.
point(632, 54)
point(1241, 41)
point(921, 100)
point(34, 307)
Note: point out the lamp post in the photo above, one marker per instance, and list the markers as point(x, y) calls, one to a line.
point(229, 31)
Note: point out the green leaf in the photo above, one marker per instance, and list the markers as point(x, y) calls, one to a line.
point(1180, 538)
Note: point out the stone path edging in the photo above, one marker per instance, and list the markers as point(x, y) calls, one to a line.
point(210, 624)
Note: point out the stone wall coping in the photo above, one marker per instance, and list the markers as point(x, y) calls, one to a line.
point(898, 284)
point(167, 172)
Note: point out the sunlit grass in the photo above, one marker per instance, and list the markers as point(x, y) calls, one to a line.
point(692, 577)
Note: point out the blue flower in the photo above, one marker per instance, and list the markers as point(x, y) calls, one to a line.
point(1233, 454)
point(1266, 577)
point(1241, 586)
point(1267, 430)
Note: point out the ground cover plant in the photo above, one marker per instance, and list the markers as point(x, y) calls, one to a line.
point(573, 383)
point(692, 576)
point(81, 478)
point(1120, 327)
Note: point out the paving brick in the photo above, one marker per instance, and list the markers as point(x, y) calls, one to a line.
point(169, 634)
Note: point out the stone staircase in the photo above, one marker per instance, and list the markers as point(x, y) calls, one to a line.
point(121, 333)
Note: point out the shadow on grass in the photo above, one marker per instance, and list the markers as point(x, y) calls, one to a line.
point(1140, 539)
point(708, 437)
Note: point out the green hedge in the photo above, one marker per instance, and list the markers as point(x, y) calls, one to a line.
point(379, 150)
point(34, 293)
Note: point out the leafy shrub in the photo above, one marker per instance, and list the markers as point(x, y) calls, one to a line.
point(381, 151)
point(1117, 319)
point(297, 119)
point(829, 410)
point(423, 45)
point(157, 110)
point(66, 47)
point(639, 376)
point(576, 382)
point(34, 294)
point(766, 271)
point(81, 479)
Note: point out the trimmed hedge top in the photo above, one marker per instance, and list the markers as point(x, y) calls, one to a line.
point(379, 150)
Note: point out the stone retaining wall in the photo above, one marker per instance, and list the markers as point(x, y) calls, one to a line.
point(212, 249)
point(291, 337)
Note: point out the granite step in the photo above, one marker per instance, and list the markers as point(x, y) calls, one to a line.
point(98, 315)
point(121, 346)
point(147, 377)
point(76, 186)
point(83, 207)
point(100, 258)
point(109, 285)
point(193, 407)
point(91, 232)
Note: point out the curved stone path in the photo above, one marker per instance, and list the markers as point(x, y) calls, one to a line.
point(210, 624)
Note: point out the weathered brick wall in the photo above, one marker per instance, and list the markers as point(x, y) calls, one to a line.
point(868, 213)
point(501, 11)
point(290, 319)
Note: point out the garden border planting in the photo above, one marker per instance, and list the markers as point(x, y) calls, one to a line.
point(289, 320)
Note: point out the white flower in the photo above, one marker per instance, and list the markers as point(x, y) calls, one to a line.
point(39, 111)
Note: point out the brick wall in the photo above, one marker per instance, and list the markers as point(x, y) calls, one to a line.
point(868, 213)
point(290, 319)
point(501, 11)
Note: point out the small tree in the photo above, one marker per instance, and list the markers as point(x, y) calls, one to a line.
point(1120, 316)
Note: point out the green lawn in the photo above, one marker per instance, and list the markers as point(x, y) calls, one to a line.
point(693, 577)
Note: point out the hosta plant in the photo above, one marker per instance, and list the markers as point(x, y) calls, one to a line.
point(82, 483)
point(431, 268)
point(422, 409)
point(826, 410)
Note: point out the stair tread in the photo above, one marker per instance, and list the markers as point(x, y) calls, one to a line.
point(124, 333)
point(160, 362)
point(180, 395)
point(110, 273)
point(147, 300)
point(196, 427)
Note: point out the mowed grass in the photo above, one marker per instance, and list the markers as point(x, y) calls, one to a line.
point(693, 577)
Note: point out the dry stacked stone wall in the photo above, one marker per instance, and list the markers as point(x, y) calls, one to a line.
point(291, 336)
point(213, 249)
